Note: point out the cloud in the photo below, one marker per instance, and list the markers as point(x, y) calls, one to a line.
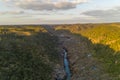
point(109, 15)
point(12, 12)
point(45, 4)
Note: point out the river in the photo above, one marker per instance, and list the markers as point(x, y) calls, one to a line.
point(66, 65)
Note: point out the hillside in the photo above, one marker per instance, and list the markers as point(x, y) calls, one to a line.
point(100, 42)
point(108, 34)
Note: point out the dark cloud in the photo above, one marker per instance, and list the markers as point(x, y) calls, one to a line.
point(111, 14)
point(12, 12)
point(48, 6)
point(45, 4)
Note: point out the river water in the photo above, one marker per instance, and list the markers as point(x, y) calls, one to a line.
point(66, 65)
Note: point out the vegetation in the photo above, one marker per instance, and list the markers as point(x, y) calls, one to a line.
point(109, 54)
point(30, 52)
point(107, 34)
point(105, 40)
point(110, 62)
point(27, 53)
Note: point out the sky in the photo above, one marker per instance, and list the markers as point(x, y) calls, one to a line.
point(58, 11)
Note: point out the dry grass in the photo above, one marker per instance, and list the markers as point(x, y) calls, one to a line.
point(25, 30)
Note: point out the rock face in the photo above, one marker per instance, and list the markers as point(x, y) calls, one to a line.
point(83, 65)
point(59, 72)
point(80, 53)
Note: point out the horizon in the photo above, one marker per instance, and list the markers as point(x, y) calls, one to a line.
point(58, 24)
point(50, 12)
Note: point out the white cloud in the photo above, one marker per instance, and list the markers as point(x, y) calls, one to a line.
point(45, 4)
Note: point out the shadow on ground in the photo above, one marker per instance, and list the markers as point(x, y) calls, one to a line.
point(103, 64)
